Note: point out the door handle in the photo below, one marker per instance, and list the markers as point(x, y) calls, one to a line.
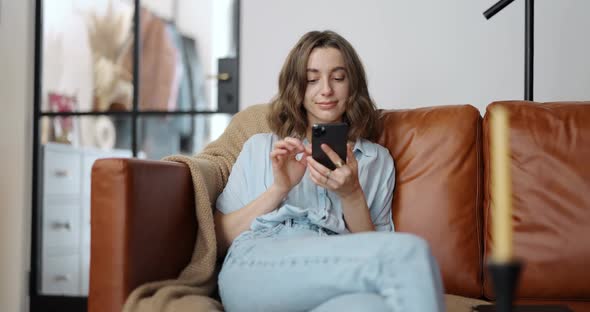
point(220, 77)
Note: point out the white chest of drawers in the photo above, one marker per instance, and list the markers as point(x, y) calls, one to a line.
point(65, 215)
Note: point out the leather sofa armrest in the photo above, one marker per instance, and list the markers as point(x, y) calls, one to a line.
point(143, 227)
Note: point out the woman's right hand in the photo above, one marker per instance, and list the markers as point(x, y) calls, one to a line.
point(287, 170)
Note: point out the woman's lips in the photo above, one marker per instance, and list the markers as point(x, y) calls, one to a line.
point(327, 105)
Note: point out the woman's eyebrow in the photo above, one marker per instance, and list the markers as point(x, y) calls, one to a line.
point(339, 68)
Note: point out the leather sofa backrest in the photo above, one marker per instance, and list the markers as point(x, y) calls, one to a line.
point(438, 189)
point(550, 167)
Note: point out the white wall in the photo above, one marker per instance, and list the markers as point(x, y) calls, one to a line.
point(562, 54)
point(16, 102)
point(426, 52)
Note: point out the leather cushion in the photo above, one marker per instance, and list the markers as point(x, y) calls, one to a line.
point(438, 193)
point(550, 168)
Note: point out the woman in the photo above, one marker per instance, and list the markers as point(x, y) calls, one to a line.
point(281, 213)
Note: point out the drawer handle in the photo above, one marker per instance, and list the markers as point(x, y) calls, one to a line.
point(62, 278)
point(61, 173)
point(62, 225)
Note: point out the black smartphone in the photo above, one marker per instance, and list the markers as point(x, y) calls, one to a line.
point(334, 135)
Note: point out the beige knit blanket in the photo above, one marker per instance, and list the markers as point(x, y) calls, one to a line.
point(210, 170)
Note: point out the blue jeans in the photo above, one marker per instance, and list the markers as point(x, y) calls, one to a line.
point(300, 267)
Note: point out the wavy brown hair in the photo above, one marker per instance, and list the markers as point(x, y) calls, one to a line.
point(288, 117)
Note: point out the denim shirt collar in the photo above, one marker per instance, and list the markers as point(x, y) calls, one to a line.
point(363, 146)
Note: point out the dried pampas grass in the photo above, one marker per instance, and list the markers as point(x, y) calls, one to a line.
point(108, 35)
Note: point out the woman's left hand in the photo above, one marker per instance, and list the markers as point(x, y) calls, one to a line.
point(343, 180)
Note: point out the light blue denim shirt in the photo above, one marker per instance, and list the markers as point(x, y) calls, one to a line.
point(251, 175)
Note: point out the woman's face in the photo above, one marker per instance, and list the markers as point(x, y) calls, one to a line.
point(327, 86)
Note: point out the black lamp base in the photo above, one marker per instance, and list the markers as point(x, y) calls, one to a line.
point(524, 308)
point(505, 280)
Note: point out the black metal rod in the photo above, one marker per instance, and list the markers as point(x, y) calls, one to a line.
point(529, 49)
point(136, 71)
point(35, 211)
point(496, 8)
point(529, 41)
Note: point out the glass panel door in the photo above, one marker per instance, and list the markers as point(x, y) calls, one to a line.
point(85, 110)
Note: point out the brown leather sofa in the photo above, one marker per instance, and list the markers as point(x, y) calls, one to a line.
point(442, 193)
